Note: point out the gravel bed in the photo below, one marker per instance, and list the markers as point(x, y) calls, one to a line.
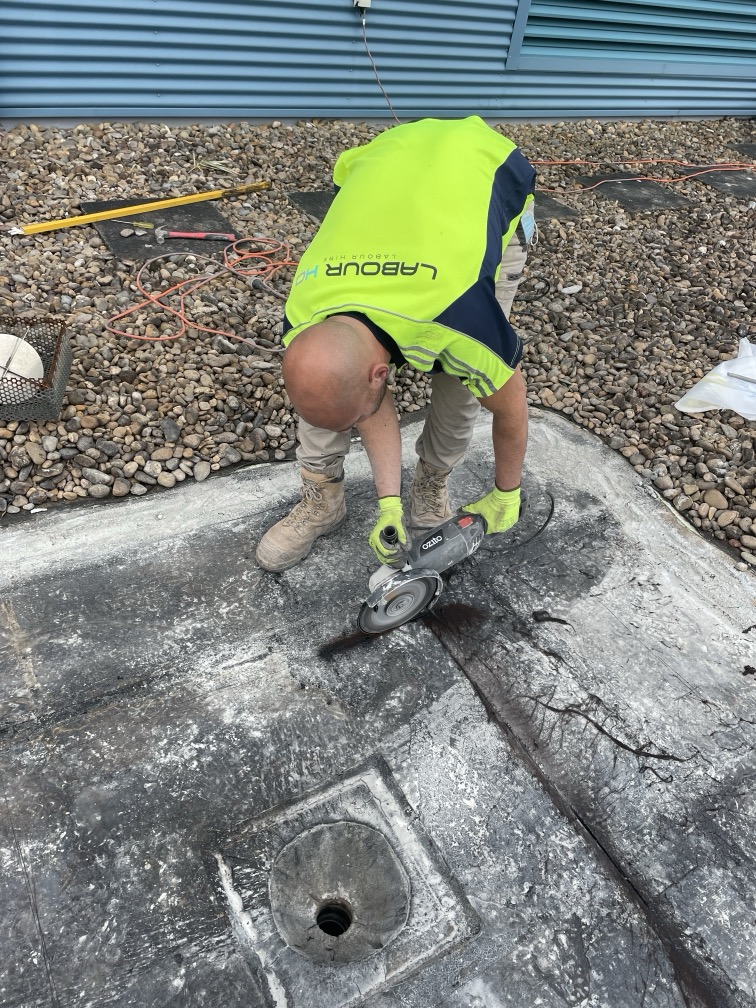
point(621, 312)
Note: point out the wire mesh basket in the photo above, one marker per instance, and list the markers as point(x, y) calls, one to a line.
point(33, 398)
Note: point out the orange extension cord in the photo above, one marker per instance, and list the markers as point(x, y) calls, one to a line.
point(238, 261)
point(734, 166)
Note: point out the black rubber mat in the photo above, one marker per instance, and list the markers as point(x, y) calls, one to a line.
point(548, 208)
point(740, 183)
point(314, 204)
point(191, 217)
point(634, 195)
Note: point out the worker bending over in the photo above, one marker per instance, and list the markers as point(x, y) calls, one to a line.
point(416, 262)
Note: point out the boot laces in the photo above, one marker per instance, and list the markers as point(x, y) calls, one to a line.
point(431, 490)
point(308, 507)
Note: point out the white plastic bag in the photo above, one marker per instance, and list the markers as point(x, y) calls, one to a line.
point(730, 385)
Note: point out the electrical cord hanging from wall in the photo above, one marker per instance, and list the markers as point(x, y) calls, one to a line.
point(375, 68)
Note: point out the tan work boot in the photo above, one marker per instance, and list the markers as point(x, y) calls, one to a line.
point(430, 497)
point(321, 510)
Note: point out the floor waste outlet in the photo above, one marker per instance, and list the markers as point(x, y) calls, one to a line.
point(339, 895)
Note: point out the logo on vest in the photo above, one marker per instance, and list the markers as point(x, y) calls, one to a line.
point(369, 268)
point(305, 275)
point(390, 268)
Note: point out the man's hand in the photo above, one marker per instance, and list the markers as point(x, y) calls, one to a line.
point(500, 508)
point(391, 519)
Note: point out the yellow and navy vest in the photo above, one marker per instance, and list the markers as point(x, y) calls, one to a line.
point(413, 240)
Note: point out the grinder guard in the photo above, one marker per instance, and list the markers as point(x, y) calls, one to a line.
point(399, 596)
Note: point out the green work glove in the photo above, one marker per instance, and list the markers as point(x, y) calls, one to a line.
point(390, 517)
point(500, 508)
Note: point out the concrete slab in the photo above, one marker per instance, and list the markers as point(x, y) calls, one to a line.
point(567, 783)
point(635, 195)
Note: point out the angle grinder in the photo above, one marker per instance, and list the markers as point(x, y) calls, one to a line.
point(397, 596)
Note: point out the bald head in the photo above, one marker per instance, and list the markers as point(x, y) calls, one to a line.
point(335, 373)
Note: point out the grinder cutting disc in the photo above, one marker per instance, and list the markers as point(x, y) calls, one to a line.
point(398, 600)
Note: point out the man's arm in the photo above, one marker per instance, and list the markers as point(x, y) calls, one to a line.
point(383, 444)
point(509, 406)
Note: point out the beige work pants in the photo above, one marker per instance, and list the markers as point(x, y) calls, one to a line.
point(451, 417)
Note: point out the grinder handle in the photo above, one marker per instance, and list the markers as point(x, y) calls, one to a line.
point(389, 535)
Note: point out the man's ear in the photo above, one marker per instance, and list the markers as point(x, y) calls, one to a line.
point(378, 374)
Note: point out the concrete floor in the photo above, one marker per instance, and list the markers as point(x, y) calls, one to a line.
point(549, 804)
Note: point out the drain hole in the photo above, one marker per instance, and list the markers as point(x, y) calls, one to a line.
point(334, 919)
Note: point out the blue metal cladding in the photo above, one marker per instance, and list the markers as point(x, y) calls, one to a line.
point(691, 37)
point(209, 58)
point(503, 59)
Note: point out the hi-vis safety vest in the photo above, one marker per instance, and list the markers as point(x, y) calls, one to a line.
point(413, 240)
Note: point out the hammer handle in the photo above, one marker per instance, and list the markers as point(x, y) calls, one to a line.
point(205, 235)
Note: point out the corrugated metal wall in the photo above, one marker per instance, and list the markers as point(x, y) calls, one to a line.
point(157, 59)
point(672, 37)
point(215, 58)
